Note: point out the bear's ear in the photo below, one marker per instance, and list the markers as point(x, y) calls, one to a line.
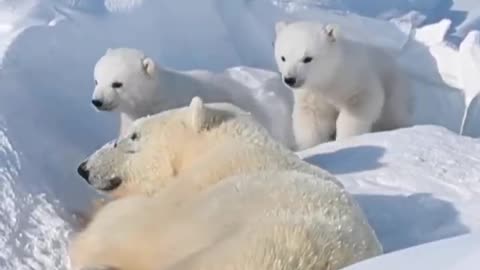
point(279, 26)
point(198, 114)
point(332, 31)
point(148, 66)
point(109, 50)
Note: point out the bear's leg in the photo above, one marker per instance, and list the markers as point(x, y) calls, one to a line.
point(125, 124)
point(312, 126)
point(399, 107)
point(349, 125)
point(359, 116)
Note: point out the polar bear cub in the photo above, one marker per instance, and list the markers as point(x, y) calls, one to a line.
point(129, 82)
point(340, 86)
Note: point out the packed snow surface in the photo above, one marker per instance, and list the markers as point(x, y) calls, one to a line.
point(458, 253)
point(416, 185)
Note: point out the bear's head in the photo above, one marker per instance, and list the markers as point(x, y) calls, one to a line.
point(306, 52)
point(123, 77)
point(160, 147)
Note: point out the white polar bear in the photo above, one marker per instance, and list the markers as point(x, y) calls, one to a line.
point(205, 143)
point(268, 220)
point(340, 86)
point(205, 187)
point(132, 84)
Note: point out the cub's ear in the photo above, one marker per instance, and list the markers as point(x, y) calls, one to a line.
point(198, 114)
point(148, 66)
point(332, 31)
point(109, 50)
point(279, 26)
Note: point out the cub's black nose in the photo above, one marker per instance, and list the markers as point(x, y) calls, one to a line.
point(97, 103)
point(83, 171)
point(290, 81)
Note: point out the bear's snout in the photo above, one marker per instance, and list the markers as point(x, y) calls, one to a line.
point(97, 103)
point(83, 171)
point(290, 81)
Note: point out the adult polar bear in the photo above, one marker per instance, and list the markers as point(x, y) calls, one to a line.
point(131, 83)
point(227, 196)
point(340, 86)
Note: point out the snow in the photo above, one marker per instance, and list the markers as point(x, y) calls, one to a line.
point(459, 253)
point(416, 185)
point(31, 226)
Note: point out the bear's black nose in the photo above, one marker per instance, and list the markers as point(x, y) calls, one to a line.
point(83, 171)
point(97, 103)
point(290, 81)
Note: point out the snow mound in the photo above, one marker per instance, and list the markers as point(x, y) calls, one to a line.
point(33, 234)
point(458, 253)
point(416, 185)
point(464, 14)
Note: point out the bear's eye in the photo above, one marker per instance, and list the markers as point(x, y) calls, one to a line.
point(117, 85)
point(134, 136)
point(307, 59)
point(96, 82)
point(283, 58)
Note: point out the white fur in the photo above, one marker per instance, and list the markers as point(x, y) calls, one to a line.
point(149, 88)
point(275, 220)
point(201, 142)
point(348, 88)
point(205, 187)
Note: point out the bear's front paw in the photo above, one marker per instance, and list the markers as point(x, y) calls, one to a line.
point(83, 218)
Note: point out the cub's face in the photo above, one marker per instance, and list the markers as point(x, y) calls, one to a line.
point(121, 79)
point(303, 52)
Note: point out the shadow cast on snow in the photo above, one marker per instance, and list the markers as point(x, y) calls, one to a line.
point(404, 221)
point(349, 160)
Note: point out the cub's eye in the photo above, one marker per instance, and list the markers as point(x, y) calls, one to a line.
point(117, 85)
point(283, 58)
point(134, 136)
point(307, 59)
point(96, 82)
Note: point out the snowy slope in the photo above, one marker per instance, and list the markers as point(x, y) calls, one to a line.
point(30, 226)
point(416, 184)
point(458, 253)
point(464, 14)
point(48, 49)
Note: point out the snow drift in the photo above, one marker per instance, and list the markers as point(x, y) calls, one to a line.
point(48, 49)
point(458, 253)
point(416, 185)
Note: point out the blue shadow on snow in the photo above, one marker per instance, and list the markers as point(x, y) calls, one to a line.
point(349, 160)
point(404, 221)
